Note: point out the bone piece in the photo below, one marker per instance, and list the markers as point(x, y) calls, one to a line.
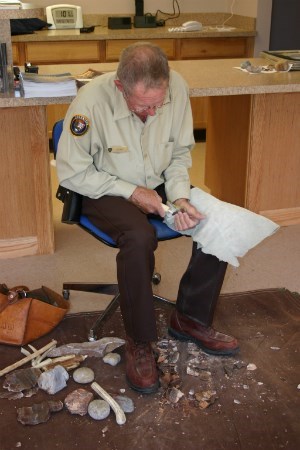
point(120, 415)
point(50, 361)
point(27, 358)
point(40, 358)
point(68, 364)
point(24, 351)
point(39, 365)
point(96, 348)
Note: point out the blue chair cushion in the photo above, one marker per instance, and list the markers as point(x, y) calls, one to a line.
point(163, 232)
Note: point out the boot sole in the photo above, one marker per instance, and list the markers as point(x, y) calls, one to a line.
point(185, 337)
point(143, 390)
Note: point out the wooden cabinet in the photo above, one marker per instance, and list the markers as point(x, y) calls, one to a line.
point(63, 52)
point(211, 48)
point(114, 47)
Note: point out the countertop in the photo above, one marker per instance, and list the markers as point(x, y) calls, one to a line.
point(205, 78)
point(103, 33)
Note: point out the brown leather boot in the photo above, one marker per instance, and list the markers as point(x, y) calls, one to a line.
point(209, 340)
point(141, 369)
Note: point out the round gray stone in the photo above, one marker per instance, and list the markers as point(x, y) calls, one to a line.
point(125, 402)
point(83, 375)
point(98, 409)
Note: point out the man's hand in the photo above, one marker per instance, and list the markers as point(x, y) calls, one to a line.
point(188, 216)
point(147, 200)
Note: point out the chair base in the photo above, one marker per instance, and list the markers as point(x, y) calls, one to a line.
point(102, 288)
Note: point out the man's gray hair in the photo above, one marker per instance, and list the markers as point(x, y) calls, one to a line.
point(143, 62)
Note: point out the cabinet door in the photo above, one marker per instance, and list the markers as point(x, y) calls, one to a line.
point(63, 52)
point(16, 55)
point(114, 47)
point(229, 47)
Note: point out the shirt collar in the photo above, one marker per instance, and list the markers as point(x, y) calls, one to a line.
point(121, 109)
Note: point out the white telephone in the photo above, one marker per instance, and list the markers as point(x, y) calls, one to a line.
point(191, 25)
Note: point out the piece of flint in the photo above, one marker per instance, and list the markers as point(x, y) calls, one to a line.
point(97, 348)
point(38, 412)
point(21, 379)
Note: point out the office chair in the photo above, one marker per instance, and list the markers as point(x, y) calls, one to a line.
point(72, 215)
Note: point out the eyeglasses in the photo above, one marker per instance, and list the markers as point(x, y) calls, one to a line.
point(142, 109)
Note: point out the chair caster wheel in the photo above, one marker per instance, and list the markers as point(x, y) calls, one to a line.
point(66, 294)
point(156, 279)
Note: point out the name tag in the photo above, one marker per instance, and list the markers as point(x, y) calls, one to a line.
point(118, 149)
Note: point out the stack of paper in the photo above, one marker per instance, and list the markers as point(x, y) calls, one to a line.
point(10, 4)
point(58, 85)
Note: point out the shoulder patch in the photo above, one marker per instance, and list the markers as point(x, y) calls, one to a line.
point(79, 125)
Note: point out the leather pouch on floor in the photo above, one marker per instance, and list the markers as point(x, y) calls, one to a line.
point(27, 315)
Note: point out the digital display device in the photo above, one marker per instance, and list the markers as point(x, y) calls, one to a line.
point(64, 16)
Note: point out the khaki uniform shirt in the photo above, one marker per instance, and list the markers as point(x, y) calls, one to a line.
point(105, 149)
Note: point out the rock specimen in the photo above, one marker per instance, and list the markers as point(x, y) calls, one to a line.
point(53, 380)
point(96, 348)
point(38, 412)
point(77, 402)
point(112, 358)
point(83, 375)
point(125, 402)
point(21, 379)
point(98, 409)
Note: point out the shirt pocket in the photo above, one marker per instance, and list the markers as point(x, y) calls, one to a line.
point(117, 162)
point(163, 157)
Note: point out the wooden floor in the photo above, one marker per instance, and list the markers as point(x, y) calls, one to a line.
point(250, 409)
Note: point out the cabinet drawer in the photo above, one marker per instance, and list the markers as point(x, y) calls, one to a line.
point(114, 47)
point(214, 48)
point(62, 52)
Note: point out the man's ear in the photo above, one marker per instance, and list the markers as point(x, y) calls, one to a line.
point(119, 85)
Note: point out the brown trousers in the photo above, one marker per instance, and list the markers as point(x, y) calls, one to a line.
point(199, 287)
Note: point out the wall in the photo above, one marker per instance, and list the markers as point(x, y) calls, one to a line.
point(242, 7)
point(263, 26)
